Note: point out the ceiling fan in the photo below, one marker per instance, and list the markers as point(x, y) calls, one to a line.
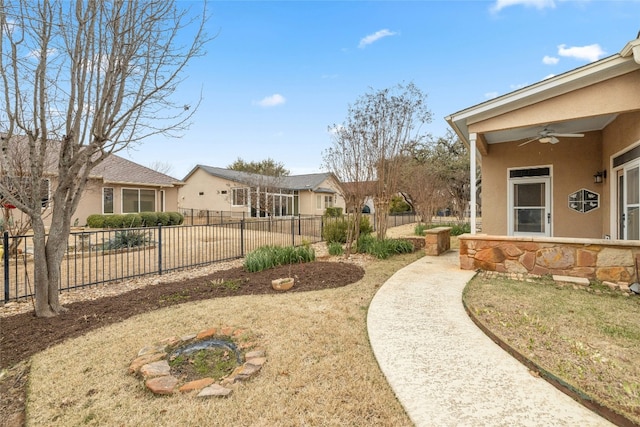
point(551, 137)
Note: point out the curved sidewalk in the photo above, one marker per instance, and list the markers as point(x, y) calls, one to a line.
point(447, 372)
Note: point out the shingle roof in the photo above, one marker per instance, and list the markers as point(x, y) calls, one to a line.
point(115, 169)
point(295, 182)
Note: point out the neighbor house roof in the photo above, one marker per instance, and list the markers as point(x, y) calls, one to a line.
point(117, 170)
point(113, 170)
point(311, 182)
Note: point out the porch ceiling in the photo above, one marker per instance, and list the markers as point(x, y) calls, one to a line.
point(580, 125)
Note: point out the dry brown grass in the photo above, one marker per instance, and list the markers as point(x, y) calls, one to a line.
point(320, 369)
point(589, 338)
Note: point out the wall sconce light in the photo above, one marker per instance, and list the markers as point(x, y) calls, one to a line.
point(600, 176)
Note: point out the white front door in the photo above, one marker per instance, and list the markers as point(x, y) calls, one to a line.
point(530, 206)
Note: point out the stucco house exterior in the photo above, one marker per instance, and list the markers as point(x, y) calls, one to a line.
point(218, 189)
point(119, 186)
point(116, 186)
point(560, 159)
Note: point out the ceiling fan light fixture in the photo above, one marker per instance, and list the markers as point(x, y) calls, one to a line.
point(545, 139)
point(553, 140)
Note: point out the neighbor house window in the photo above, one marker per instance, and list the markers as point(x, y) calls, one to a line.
point(138, 200)
point(107, 200)
point(240, 196)
point(328, 201)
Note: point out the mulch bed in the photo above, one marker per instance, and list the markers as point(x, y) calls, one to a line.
point(23, 335)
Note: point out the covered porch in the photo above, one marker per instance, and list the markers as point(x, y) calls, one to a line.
point(560, 163)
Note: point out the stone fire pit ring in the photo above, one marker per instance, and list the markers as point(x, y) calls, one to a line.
point(152, 362)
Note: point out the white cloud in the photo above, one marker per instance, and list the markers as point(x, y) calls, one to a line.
point(550, 60)
point(590, 53)
point(491, 95)
point(371, 38)
point(271, 101)
point(538, 4)
point(518, 86)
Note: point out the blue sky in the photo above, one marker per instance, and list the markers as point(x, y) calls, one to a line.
point(278, 74)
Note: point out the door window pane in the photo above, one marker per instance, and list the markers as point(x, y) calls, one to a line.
point(529, 207)
point(632, 187)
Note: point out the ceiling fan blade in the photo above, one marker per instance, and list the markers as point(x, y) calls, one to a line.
point(528, 141)
point(567, 135)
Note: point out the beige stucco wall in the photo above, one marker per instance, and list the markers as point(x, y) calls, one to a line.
point(573, 163)
point(308, 205)
point(216, 193)
point(622, 94)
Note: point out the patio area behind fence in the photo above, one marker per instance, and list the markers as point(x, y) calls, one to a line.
point(101, 256)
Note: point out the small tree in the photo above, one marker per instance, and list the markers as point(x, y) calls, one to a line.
point(268, 167)
point(81, 80)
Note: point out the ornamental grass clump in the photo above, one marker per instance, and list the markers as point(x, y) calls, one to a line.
point(383, 249)
point(270, 256)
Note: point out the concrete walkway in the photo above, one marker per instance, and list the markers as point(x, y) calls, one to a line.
point(443, 369)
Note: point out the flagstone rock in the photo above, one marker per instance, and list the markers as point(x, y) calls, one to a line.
point(197, 384)
point(215, 390)
point(162, 385)
point(155, 369)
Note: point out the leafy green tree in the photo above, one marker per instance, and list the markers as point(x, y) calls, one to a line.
point(268, 167)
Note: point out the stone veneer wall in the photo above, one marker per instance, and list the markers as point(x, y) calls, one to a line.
point(606, 260)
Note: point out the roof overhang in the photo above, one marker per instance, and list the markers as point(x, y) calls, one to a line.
point(628, 60)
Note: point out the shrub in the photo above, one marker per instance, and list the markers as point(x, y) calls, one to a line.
point(131, 220)
point(365, 225)
point(149, 219)
point(335, 249)
point(128, 239)
point(175, 218)
point(95, 221)
point(333, 212)
point(335, 231)
point(163, 218)
point(114, 221)
point(270, 256)
point(419, 229)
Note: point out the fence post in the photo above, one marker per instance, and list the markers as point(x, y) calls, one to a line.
point(160, 249)
point(299, 225)
point(242, 238)
point(5, 256)
point(293, 231)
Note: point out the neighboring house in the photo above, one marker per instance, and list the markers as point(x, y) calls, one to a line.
point(369, 187)
point(115, 186)
point(119, 186)
point(561, 158)
point(218, 189)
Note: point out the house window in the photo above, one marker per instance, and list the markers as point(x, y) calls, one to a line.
point(240, 196)
point(107, 200)
point(138, 200)
point(328, 201)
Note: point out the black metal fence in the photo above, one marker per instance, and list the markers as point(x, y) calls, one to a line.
point(95, 257)
point(102, 256)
